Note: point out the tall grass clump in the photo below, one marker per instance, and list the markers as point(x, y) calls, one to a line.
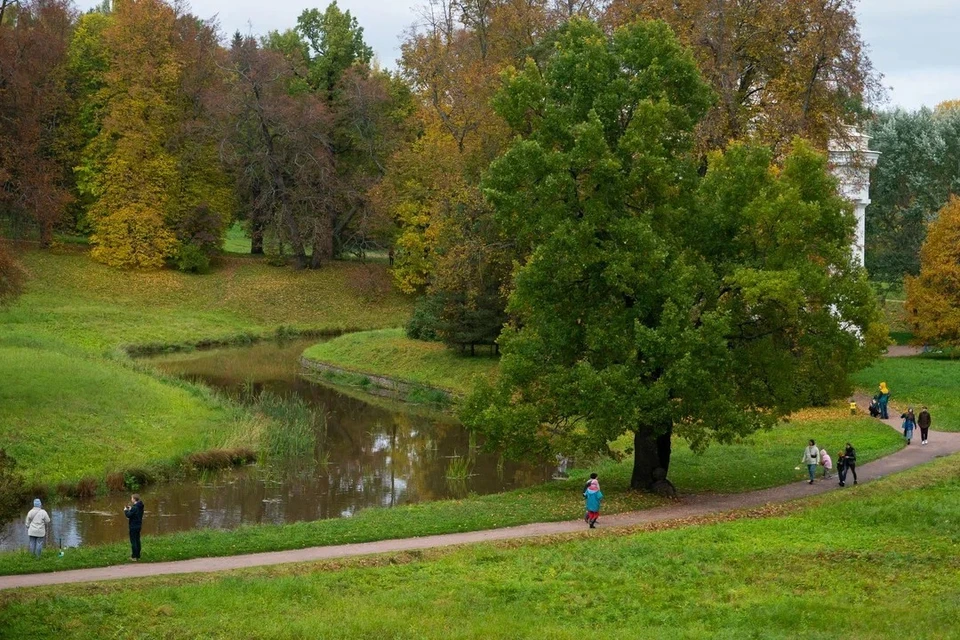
point(296, 428)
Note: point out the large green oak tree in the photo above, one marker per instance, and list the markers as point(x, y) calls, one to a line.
point(657, 296)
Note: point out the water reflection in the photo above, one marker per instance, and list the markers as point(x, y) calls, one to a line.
point(376, 455)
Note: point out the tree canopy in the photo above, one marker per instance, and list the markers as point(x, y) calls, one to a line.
point(654, 301)
point(918, 168)
point(933, 297)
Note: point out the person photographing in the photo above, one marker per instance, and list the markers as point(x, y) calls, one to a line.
point(134, 513)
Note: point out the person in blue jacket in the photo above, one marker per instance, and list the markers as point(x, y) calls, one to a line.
point(593, 497)
point(134, 513)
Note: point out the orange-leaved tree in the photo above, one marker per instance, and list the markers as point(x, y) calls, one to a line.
point(933, 297)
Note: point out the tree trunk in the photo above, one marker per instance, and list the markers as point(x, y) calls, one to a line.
point(322, 245)
point(651, 459)
point(256, 237)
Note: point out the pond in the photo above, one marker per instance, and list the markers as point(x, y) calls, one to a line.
point(375, 454)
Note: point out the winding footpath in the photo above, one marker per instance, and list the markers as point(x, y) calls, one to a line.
point(941, 444)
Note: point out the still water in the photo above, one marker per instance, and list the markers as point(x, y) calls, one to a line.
point(374, 455)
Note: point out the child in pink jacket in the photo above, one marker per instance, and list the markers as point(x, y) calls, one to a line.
point(826, 462)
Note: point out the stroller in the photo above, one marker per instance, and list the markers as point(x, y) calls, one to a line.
point(874, 408)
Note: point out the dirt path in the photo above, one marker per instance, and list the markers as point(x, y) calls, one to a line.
point(902, 351)
point(941, 444)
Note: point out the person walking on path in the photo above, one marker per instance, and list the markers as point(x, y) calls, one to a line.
point(593, 497)
point(923, 421)
point(592, 480)
point(811, 458)
point(909, 422)
point(849, 464)
point(841, 467)
point(134, 513)
point(826, 462)
point(883, 397)
point(37, 521)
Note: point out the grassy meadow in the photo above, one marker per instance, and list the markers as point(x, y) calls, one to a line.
point(66, 416)
point(765, 459)
point(877, 561)
point(918, 381)
point(73, 405)
point(72, 300)
point(389, 352)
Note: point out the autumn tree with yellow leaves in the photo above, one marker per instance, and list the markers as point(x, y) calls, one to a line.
point(153, 164)
point(933, 297)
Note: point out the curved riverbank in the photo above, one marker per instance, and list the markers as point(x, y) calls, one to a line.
point(386, 362)
point(75, 407)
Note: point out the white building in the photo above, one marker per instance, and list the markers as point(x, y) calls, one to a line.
point(851, 161)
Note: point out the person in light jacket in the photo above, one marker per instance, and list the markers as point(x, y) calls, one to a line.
point(37, 521)
point(811, 458)
point(827, 463)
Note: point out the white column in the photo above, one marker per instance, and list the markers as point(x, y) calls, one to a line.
point(851, 161)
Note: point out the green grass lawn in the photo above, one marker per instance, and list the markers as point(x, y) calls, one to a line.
point(764, 460)
point(67, 416)
point(71, 407)
point(919, 381)
point(236, 240)
point(73, 300)
point(877, 561)
point(389, 352)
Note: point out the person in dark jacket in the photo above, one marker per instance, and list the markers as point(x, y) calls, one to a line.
point(841, 469)
point(849, 464)
point(923, 421)
point(134, 513)
point(909, 422)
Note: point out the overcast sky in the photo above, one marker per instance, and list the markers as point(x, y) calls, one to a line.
point(914, 43)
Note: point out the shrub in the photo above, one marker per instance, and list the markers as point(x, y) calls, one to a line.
point(12, 487)
point(215, 459)
point(84, 488)
point(424, 324)
point(11, 275)
point(192, 259)
point(203, 229)
point(136, 479)
point(116, 482)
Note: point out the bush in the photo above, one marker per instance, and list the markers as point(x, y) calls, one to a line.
point(216, 459)
point(202, 228)
point(136, 479)
point(84, 488)
point(424, 324)
point(192, 259)
point(12, 487)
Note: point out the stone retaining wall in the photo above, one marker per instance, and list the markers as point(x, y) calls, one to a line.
point(380, 385)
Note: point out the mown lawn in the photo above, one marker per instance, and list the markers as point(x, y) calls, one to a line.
point(389, 352)
point(764, 460)
point(918, 381)
point(75, 301)
point(65, 416)
point(877, 561)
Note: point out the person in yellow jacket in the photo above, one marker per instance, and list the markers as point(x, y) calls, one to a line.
point(882, 398)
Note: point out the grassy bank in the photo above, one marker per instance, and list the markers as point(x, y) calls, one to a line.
point(764, 460)
point(68, 416)
point(916, 382)
point(390, 353)
point(75, 301)
point(72, 405)
point(886, 570)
